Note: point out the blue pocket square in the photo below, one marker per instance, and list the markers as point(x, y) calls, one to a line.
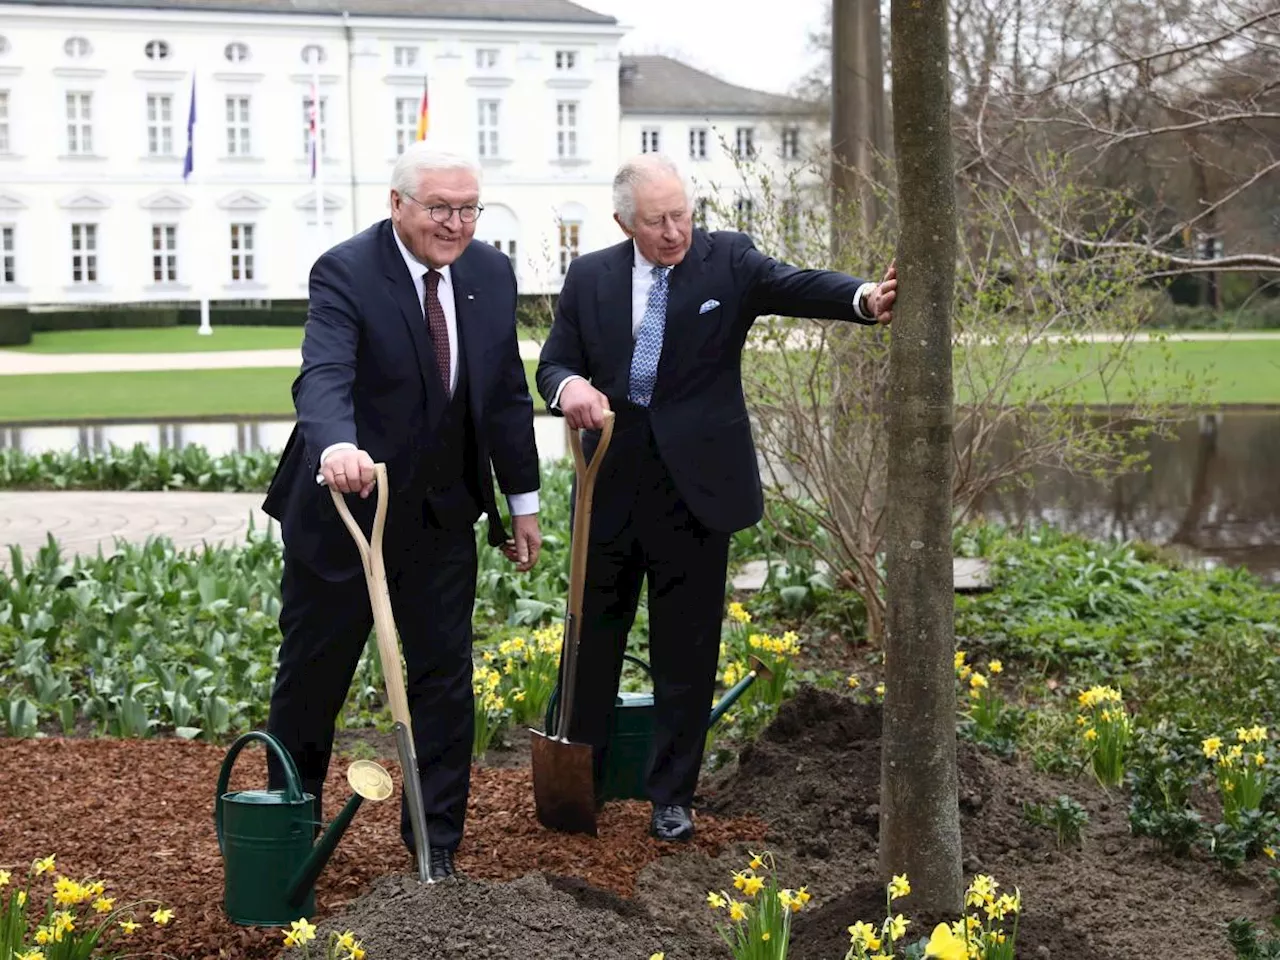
point(708, 306)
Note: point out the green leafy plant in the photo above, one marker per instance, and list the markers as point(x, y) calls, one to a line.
point(1065, 817)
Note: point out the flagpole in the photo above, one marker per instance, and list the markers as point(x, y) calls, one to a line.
point(317, 152)
point(188, 169)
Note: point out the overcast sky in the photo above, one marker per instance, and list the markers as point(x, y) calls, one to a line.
point(766, 50)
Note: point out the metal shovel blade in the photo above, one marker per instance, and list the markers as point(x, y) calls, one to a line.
point(563, 784)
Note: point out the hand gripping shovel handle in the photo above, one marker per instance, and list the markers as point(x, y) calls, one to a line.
point(578, 563)
point(375, 574)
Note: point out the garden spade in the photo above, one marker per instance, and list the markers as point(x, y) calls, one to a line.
point(563, 782)
point(384, 624)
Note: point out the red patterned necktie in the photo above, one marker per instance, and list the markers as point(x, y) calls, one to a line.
point(436, 324)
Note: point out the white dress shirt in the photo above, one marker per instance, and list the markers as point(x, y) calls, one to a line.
point(519, 503)
point(642, 283)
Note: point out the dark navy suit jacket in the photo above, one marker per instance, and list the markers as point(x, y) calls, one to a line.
point(369, 377)
point(697, 415)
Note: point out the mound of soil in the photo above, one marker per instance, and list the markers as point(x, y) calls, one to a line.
point(814, 776)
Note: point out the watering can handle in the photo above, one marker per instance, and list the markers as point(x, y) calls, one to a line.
point(292, 787)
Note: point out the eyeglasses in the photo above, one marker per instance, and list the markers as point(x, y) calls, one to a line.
point(443, 213)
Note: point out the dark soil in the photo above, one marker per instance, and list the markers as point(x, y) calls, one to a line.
point(139, 813)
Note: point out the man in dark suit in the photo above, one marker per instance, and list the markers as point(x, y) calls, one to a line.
point(410, 358)
point(653, 329)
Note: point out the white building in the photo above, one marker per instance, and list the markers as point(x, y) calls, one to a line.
point(94, 102)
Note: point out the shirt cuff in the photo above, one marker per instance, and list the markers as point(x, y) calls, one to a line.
point(863, 291)
point(555, 400)
point(328, 450)
point(523, 504)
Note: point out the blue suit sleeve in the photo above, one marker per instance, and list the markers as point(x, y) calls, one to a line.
point(322, 392)
point(779, 289)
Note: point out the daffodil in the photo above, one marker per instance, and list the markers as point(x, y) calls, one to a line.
point(4, 878)
point(945, 945)
point(162, 917)
point(737, 910)
point(753, 886)
point(31, 955)
point(129, 926)
point(44, 866)
point(899, 886)
point(715, 901)
point(898, 927)
point(995, 666)
point(104, 904)
point(658, 956)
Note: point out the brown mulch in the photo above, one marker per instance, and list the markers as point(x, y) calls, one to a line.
point(139, 815)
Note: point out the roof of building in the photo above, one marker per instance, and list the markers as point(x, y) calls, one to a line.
point(551, 11)
point(656, 84)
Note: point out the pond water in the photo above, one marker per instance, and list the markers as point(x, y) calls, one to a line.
point(1212, 490)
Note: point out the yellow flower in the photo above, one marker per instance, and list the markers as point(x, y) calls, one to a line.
point(739, 880)
point(756, 863)
point(738, 613)
point(43, 936)
point(22, 898)
point(300, 932)
point(4, 878)
point(753, 886)
point(164, 916)
point(44, 866)
point(853, 681)
point(737, 911)
point(995, 666)
point(945, 945)
point(715, 901)
point(1211, 746)
point(765, 935)
point(31, 955)
point(978, 681)
point(357, 953)
point(864, 934)
point(898, 927)
point(803, 895)
point(658, 956)
point(347, 941)
point(129, 926)
point(899, 887)
point(1091, 734)
point(1270, 852)
point(959, 659)
point(104, 904)
point(880, 689)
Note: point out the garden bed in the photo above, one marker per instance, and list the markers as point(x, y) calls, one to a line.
point(139, 814)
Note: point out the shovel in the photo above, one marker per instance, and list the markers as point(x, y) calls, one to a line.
point(563, 779)
point(384, 624)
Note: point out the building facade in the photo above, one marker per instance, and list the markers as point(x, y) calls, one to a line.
point(98, 205)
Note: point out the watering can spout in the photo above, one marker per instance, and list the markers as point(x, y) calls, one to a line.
point(370, 782)
point(758, 670)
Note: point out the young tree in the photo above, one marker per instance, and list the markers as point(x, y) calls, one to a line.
point(919, 811)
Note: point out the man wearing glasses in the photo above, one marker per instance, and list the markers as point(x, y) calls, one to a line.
point(410, 358)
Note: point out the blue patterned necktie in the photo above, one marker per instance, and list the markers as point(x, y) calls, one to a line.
point(644, 361)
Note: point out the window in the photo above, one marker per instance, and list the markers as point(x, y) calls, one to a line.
point(314, 53)
point(510, 250)
point(570, 233)
point(744, 208)
point(322, 125)
point(80, 123)
point(566, 129)
point(84, 253)
point(405, 56)
point(701, 210)
point(4, 121)
point(159, 125)
point(241, 252)
point(157, 49)
point(790, 143)
point(77, 48)
point(566, 59)
point(236, 52)
point(8, 264)
point(746, 143)
point(487, 125)
point(698, 143)
point(486, 58)
point(238, 126)
point(164, 253)
point(649, 140)
point(406, 122)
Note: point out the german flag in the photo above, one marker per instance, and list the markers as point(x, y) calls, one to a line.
point(422, 113)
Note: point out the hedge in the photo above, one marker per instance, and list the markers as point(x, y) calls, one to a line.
point(15, 328)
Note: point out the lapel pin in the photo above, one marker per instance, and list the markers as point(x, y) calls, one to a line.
point(471, 296)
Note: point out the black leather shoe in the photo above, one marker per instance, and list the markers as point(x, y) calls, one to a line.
point(441, 860)
point(671, 822)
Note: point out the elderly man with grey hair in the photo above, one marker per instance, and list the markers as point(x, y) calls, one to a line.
point(653, 329)
point(409, 358)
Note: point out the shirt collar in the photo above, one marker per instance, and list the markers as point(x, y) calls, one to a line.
point(642, 264)
point(417, 269)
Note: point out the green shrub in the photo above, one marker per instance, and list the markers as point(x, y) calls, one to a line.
point(15, 328)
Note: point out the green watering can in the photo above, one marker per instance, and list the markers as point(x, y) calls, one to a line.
point(266, 838)
point(631, 734)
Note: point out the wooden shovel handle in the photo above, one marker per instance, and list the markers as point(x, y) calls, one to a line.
point(375, 574)
point(582, 511)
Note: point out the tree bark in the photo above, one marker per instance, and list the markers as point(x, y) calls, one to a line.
point(919, 810)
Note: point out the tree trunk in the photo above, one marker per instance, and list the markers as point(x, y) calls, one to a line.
point(919, 809)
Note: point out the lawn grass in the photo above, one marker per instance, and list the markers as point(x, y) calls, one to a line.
point(158, 393)
point(1232, 371)
point(164, 340)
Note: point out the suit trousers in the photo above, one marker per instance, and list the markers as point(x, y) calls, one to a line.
point(685, 565)
point(431, 578)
